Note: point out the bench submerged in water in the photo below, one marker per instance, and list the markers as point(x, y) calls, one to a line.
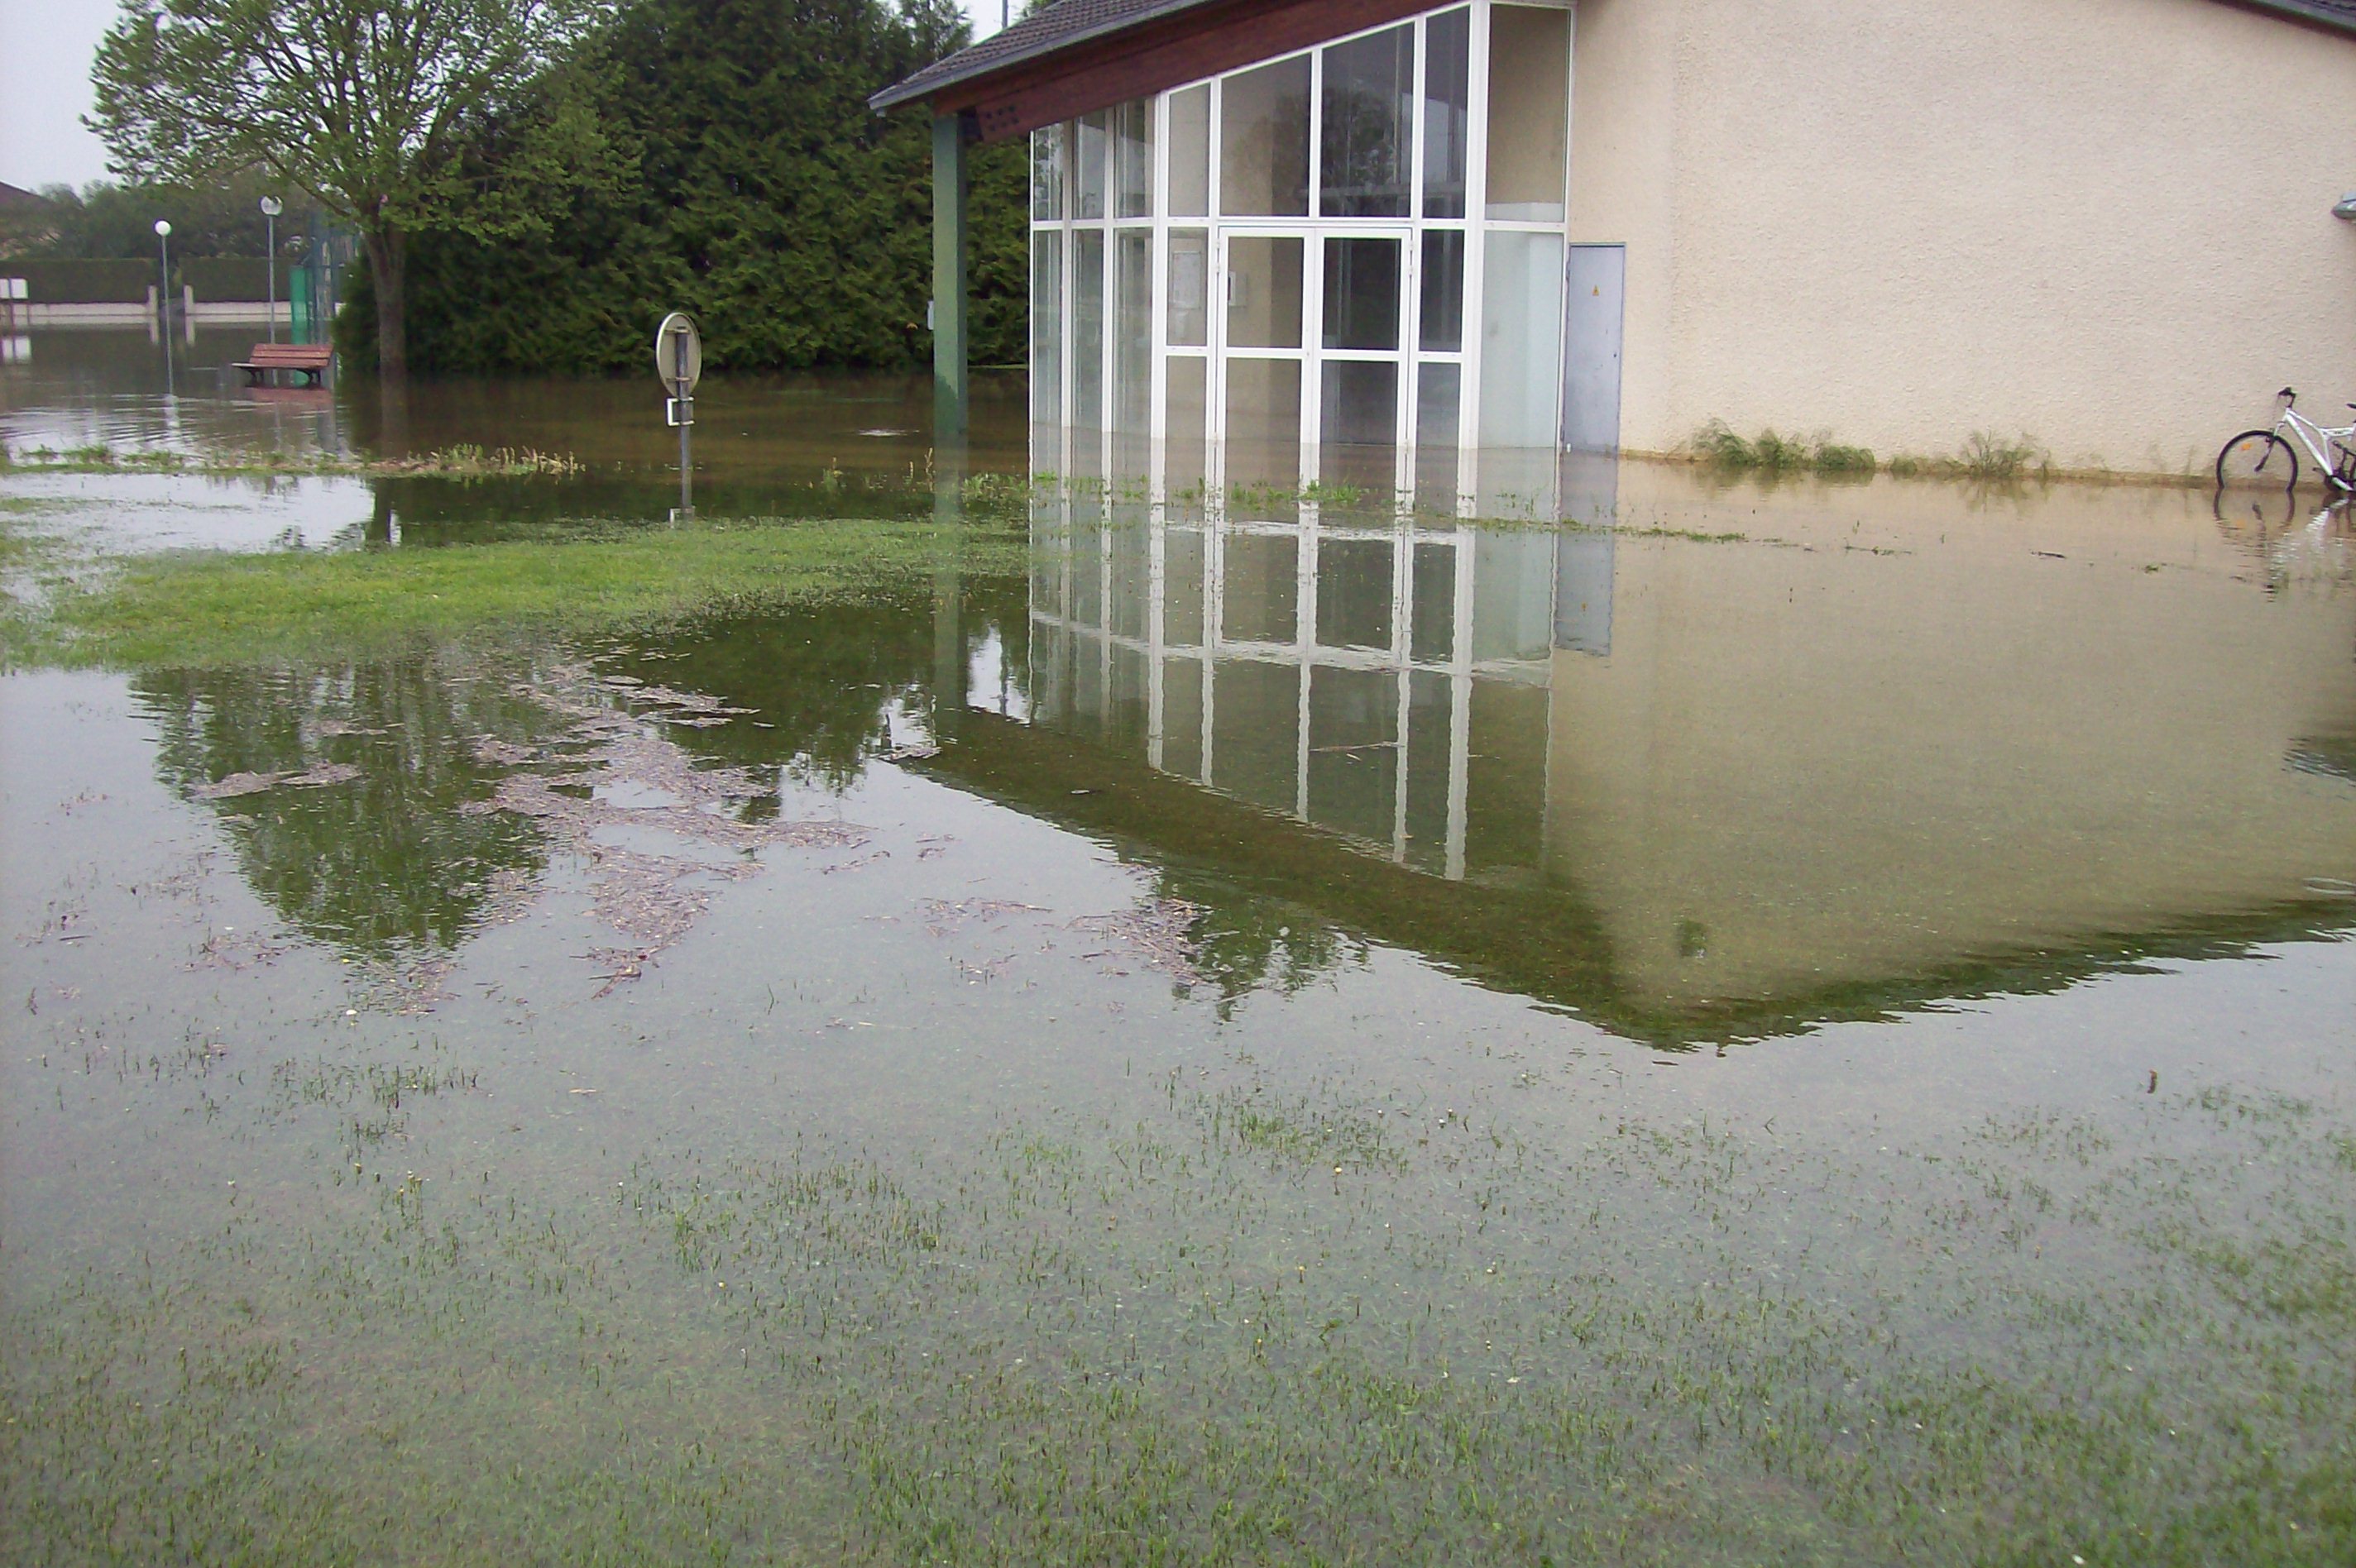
point(303, 358)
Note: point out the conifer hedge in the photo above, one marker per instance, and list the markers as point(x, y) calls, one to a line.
point(741, 177)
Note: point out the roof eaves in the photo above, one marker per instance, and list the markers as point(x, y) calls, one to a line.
point(1066, 25)
point(2333, 16)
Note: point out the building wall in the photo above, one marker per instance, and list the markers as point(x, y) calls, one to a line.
point(2104, 224)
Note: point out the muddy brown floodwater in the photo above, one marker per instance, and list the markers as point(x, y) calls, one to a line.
point(1698, 1021)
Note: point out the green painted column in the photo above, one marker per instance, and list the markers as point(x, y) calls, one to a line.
point(950, 400)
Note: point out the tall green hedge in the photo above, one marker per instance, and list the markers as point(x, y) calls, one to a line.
point(757, 190)
point(81, 280)
point(224, 278)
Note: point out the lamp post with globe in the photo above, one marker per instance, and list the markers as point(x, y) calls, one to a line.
point(270, 207)
point(163, 292)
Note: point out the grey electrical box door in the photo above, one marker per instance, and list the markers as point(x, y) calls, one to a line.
point(1591, 347)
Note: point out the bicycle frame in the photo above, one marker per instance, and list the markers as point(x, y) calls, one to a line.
point(2320, 439)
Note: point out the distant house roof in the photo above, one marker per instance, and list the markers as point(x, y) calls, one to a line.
point(16, 199)
point(1129, 48)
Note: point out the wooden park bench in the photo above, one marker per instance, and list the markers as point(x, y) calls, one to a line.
point(303, 358)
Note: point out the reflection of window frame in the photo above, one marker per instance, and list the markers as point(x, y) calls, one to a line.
point(1056, 452)
point(1073, 656)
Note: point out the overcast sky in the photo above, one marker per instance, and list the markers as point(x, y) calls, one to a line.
point(45, 53)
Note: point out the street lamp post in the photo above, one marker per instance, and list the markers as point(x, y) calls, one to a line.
point(270, 207)
point(164, 292)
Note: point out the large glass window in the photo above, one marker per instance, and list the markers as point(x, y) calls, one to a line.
point(1221, 273)
point(1187, 403)
point(1441, 328)
point(1264, 291)
point(1047, 329)
point(1447, 111)
point(1047, 173)
point(1190, 288)
point(1360, 407)
point(1088, 167)
point(1133, 346)
point(1530, 113)
point(1133, 159)
point(1521, 338)
point(1087, 348)
point(1365, 161)
point(1263, 444)
point(1264, 141)
point(1190, 153)
point(1362, 293)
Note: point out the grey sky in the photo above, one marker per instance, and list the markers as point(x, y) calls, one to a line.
point(45, 87)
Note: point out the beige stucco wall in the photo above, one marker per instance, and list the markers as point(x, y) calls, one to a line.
point(2102, 223)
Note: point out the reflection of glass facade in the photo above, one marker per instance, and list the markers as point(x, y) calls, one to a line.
point(1361, 677)
point(1321, 267)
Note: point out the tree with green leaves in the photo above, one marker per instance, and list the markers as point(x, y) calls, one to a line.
point(753, 187)
point(364, 105)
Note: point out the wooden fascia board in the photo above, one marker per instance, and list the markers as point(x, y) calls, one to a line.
point(1187, 48)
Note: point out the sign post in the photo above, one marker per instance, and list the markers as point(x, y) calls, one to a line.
point(679, 361)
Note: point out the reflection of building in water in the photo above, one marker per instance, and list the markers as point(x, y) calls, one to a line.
point(1796, 777)
point(1363, 679)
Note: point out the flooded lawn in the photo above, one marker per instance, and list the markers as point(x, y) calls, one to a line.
point(920, 1018)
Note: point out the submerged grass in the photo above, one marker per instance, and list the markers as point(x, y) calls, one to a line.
point(215, 608)
point(463, 461)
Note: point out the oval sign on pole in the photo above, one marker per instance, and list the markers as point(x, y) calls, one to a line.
point(678, 354)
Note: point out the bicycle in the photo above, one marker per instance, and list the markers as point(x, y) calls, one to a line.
point(2251, 457)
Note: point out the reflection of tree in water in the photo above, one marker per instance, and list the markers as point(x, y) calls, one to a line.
point(1244, 942)
point(819, 678)
point(384, 865)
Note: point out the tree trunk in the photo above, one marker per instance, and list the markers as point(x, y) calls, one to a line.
point(388, 256)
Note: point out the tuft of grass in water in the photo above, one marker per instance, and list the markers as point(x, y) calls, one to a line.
point(1772, 453)
point(1989, 457)
point(212, 608)
point(1833, 458)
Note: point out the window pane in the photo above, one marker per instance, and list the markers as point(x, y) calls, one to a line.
point(1263, 443)
point(1264, 291)
point(1087, 348)
point(1190, 153)
point(1190, 288)
point(1431, 704)
point(1441, 330)
point(1529, 89)
point(1181, 588)
point(1431, 628)
point(1439, 391)
point(1047, 173)
point(1353, 594)
point(1521, 338)
point(1362, 293)
point(1363, 166)
point(1352, 750)
point(1188, 399)
point(1261, 595)
point(1132, 130)
point(1132, 346)
point(1182, 716)
point(1088, 181)
point(1360, 407)
point(1048, 340)
point(1255, 727)
point(1264, 141)
point(1447, 109)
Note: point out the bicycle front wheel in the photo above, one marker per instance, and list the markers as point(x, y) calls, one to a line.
point(2257, 457)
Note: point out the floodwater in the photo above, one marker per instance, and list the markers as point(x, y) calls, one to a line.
point(1792, 1023)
